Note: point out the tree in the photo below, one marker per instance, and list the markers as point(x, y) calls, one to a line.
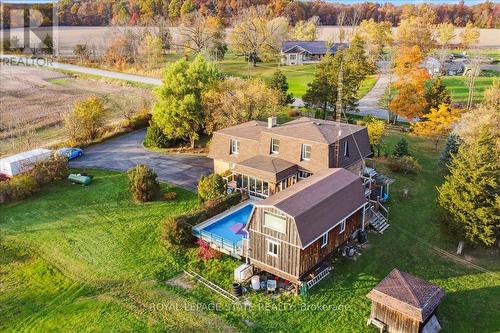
point(211, 187)
point(187, 8)
point(469, 35)
point(258, 36)
point(279, 83)
point(82, 52)
point(438, 123)
point(408, 102)
point(87, 118)
point(178, 109)
point(236, 100)
point(469, 194)
point(376, 36)
point(451, 146)
point(143, 185)
point(174, 8)
point(401, 148)
point(322, 91)
point(305, 30)
point(376, 128)
point(48, 44)
point(202, 34)
point(417, 31)
point(164, 35)
point(436, 95)
point(446, 33)
point(150, 51)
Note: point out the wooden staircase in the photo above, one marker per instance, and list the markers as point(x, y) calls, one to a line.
point(379, 221)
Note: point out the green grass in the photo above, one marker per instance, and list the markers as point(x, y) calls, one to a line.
point(85, 258)
point(367, 85)
point(458, 86)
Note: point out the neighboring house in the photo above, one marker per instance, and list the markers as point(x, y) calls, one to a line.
point(292, 233)
point(305, 52)
point(404, 303)
point(265, 158)
point(434, 67)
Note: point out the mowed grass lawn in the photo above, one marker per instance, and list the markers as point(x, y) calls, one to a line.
point(459, 90)
point(86, 259)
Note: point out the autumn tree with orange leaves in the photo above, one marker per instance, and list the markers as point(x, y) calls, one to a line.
point(409, 101)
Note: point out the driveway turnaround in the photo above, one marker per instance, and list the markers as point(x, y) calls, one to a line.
point(126, 151)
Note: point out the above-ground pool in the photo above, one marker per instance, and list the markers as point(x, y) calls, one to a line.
point(225, 230)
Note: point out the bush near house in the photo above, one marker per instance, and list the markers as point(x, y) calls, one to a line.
point(211, 187)
point(176, 230)
point(18, 188)
point(405, 165)
point(142, 183)
point(55, 168)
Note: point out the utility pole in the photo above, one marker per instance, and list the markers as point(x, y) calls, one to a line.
point(338, 105)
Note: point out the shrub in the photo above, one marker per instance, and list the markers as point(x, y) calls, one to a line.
point(401, 148)
point(169, 196)
point(139, 120)
point(155, 138)
point(320, 114)
point(55, 168)
point(211, 187)
point(451, 146)
point(142, 183)
point(176, 230)
point(84, 123)
point(405, 164)
point(293, 113)
point(18, 188)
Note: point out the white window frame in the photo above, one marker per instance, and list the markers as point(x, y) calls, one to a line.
point(342, 226)
point(324, 240)
point(346, 148)
point(235, 146)
point(293, 56)
point(273, 243)
point(273, 140)
point(303, 157)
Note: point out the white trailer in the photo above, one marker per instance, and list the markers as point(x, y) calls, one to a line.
point(16, 164)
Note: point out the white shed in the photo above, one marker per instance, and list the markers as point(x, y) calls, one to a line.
point(16, 164)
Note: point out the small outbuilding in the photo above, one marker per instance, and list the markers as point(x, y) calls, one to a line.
point(404, 303)
point(13, 165)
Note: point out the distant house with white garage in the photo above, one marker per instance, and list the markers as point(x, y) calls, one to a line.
point(306, 52)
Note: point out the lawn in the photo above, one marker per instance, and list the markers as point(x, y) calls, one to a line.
point(458, 86)
point(85, 258)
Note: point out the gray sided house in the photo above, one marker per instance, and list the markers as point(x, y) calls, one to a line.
point(306, 52)
point(292, 233)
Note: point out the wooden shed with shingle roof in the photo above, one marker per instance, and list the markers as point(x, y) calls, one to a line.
point(404, 303)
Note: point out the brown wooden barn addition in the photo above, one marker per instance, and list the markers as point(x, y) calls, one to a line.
point(403, 303)
point(292, 233)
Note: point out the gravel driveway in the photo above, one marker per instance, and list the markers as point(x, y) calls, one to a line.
point(126, 151)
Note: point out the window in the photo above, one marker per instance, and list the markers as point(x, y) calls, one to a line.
point(275, 222)
point(346, 148)
point(342, 227)
point(304, 174)
point(324, 239)
point(293, 56)
point(275, 146)
point(272, 248)
point(235, 146)
point(306, 152)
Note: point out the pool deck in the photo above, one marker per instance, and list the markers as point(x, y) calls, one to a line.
point(217, 241)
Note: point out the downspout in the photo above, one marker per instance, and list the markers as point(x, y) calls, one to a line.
point(363, 221)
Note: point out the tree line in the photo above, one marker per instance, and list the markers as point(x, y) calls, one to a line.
point(147, 12)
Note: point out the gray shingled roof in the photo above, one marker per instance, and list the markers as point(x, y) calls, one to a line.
point(319, 202)
point(313, 47)
point(268, 168)
point(407, 294)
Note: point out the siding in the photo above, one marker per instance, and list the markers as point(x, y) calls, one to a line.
point(395, 321)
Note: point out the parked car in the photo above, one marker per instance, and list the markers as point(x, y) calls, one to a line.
point(70, 153)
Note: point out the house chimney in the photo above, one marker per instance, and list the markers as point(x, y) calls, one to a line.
point(271, 122)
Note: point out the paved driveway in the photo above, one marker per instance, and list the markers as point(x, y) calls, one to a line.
point(126, 151)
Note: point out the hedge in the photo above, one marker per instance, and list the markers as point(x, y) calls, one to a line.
point(176, 230)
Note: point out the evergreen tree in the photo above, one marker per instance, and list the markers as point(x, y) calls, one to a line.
point(178, 109)
point(322, 92)
point(401, 148)
point(187, 7)
point(174, 8)
point(436, 95)
point(469, 194)
point(279, 83)
point(451, 146)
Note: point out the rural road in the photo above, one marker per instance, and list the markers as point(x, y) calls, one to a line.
point(80, 69)
point(126, 151)
point(369, 104)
